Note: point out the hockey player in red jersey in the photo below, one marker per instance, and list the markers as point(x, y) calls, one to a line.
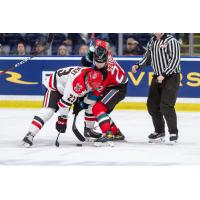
point(111, 92)
point(63, 88)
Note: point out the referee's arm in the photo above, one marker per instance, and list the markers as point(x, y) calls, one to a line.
point(144, 62)
point(174, 54)
point(146, 59)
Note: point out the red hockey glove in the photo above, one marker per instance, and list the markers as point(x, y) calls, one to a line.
point(61, 124)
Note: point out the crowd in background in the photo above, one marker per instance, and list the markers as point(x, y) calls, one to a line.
point(64, 44)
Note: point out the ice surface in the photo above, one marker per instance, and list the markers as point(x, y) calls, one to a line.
point(136, 125)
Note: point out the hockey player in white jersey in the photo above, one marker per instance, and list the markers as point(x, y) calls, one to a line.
point(63, 88)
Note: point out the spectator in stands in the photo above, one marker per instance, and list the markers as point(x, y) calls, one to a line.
point(78, 39)
point(83, 50)
point(68, 44)
point(39, 47)
point(113, 39)
point(113, 50)
point(1, 49)
point(63, 50)
point(21, 49)
point(133, 48)
point(4, 49)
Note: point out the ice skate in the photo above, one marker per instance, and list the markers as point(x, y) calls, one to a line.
point(156, 137)
point(105, 140)
point(119, 136)
point(28, 140)
point(173, 138)
point(91, 135)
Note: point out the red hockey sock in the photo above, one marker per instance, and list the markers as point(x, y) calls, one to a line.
point(114, 129)
point(99, 110)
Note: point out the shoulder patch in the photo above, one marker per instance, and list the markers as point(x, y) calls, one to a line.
point(78, 88)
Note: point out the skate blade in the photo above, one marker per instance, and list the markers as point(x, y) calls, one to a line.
point(173, 142)
point(120, 141)
point(90, 139)
point(157, 141)
point(104, 144)
point(26, 145)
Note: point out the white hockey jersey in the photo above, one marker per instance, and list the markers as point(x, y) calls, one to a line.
point(70, 83)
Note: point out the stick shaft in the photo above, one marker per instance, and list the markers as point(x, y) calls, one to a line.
point(76, 131)
point(49, 41)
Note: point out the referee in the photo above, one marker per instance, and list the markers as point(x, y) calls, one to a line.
point(163, 54)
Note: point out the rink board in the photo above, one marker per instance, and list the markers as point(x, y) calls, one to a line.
point(27, 81)
point(195, 107)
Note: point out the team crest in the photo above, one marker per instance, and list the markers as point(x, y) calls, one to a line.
point(78, 87)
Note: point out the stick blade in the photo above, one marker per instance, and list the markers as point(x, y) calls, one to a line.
point(57, 143)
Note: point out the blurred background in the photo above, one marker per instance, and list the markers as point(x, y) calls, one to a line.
point(127, 44)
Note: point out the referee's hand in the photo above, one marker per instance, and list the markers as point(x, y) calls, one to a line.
point(134, 68)
point(160, 79)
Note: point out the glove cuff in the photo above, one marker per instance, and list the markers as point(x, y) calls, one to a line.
point(62, 118)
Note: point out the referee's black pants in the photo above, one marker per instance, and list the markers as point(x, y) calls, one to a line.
point(161, 101)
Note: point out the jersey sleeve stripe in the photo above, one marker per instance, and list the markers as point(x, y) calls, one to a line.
point(52, 81)
point(63, 104)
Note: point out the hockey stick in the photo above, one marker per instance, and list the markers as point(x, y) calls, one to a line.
point(74, 128)
point(76, 131)
point(56, 142)
point(48, 44)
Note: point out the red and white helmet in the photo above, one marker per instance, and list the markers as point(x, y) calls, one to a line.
point(94, 79)
point(100, 56)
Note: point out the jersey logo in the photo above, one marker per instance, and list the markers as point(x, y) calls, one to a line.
point(163, 45)
point(78, 87)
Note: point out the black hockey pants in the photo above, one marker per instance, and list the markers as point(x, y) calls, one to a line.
point(161, 102)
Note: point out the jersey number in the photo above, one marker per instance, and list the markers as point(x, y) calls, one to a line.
point(118, 79)
point(71, 98)
point(73, 71)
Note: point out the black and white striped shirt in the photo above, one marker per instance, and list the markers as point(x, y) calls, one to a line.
point(163, 55)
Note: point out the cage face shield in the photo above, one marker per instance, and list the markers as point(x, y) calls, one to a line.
point(100, 57)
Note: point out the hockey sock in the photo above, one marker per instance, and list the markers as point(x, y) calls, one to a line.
point(99, 110)
point(89, 118)
point(114, 128)
point(40, 119)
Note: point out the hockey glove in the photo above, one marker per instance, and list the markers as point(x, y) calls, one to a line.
point(61, 124)
point(92, 46)
point(89, 56)
point(79, 106)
